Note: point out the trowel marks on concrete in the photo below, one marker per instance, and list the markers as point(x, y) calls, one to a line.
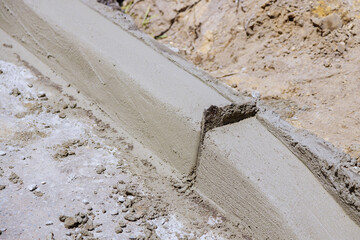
point(252, 176)
point(159, 103)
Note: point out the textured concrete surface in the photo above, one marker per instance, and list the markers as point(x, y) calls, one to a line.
point(254, 177)
point(138, 87)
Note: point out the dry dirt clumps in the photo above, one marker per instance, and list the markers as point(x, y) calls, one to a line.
point(300, 57)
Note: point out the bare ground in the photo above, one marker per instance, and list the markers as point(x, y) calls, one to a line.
point(300, 57)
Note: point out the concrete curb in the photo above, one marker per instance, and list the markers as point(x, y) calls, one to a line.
point(169, 106)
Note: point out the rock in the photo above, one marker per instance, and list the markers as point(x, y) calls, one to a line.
point(341, 47)
point(62, 115)
point(2, 230)
point(49, 223)
point(327, 63)
point(2, 187)
point(1, 71)
point(118, 230)
point(2, 153)
point(50, 236)
point(72, 105)
point(70, 222)
point(330, 23)
point(122, 224)
point(62, 218)
point(85, 201)
point(121, 199)
point(41, 95)
point(114, 212)
point(29, 85)
point(234, 85)
point(15, 92)
point(32, 187)
point(43, 182)
point(100, 169)
point(132, 217)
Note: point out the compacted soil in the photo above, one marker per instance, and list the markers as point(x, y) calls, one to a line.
point(301, 57)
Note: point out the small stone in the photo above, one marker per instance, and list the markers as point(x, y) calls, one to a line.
point(90, 208)
point(43, 182)
point(2, 187)
point(62, 218)
point(1, 71)
point(2, 153)
point(118, 230)
point(122, 224)
point(32, 187)
point(38, 193)
point(85, 201)
point(341, 47)
point(15, 92)
point(50, 236)
point(132, 217)
point(327, 63)
point(72, 105)
point(234, 85)
point(121, 199)
point(100, 169)
point(65, 106)
point(41, 94)
point(62, 115)
point(29, 85)
point(70, 222)
point(104, 211)
point(114, 212)
point(49, 223)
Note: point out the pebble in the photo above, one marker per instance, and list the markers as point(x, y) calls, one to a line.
point(100, 169)
point(62, 115)
point(32, 187)
point(43, 182)
point(85, 201)
point(121, 199)
point(73, 105)
point(41, 94)
point(114, 212)
point(2, 153)
point(49, 223)
point(70, 222)
point(118, 230)
point(30, 85)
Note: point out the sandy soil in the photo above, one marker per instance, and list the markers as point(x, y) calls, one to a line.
point(67, 174)
point(300, 57)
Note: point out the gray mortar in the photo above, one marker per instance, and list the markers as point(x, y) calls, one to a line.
point(335, 169)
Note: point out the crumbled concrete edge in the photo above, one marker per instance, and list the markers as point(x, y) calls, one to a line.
point(336, 170)
point(215, 116)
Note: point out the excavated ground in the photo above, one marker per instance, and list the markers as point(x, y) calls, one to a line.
point(300, 57)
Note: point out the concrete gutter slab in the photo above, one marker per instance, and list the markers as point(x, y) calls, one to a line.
point(253, 177)
point(159, 103)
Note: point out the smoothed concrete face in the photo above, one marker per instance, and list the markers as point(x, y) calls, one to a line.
point(159, 103)
point(252, 176)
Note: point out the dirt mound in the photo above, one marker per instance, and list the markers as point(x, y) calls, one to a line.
point(300, 57)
